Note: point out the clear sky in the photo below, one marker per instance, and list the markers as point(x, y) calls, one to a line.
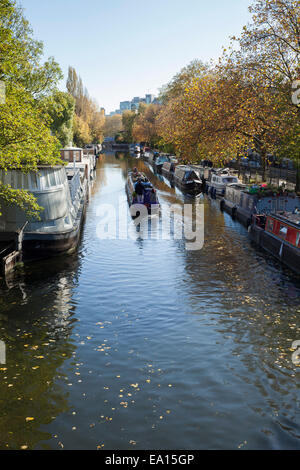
point(126, 48)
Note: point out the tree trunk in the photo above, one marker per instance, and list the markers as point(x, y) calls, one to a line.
point(263, 162)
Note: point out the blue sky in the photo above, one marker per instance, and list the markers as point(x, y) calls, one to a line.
point(126, 48)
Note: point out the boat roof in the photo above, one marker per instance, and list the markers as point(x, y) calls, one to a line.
point(73, 148)
point(288, 217)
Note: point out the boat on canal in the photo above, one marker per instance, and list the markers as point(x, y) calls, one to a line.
point(140, 190)
point(83, 159)
point(219, 180)
point(168, 169)
point(279, 234)
point(62, 193)
point(158, 162)
point(187, 180)
point(242, 201)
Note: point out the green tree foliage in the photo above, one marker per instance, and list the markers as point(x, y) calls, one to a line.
point(25, 136)
point(60, 107)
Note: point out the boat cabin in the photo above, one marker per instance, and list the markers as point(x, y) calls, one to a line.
point(285, 226)
point(241, 197)
point(185, 174)
point(72, 154)
point(223, 180)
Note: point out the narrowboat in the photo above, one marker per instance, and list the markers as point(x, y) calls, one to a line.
point(83, 159)
point(218, 182)
point(145, 195)
point(242, 202)
point(187, 180)
point(62, 194)
point(279, 234)
point(146, 154)
point(153, 156)
point(159, 161)
point(168, 169)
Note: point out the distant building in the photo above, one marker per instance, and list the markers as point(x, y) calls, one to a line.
point(149, 99)
point(133, 105)
point(125, 105)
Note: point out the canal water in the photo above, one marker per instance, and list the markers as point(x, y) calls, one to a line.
point(142, 344)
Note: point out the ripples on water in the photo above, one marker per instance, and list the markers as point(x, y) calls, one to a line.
point(141, 344)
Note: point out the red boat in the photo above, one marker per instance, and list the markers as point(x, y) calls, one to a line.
point(279, 234)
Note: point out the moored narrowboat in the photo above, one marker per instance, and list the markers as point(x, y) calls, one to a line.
point(242, 202)
point(62, 194)
point(159, 161)
point(168, 169)
point(187, 180)
point(279, 234)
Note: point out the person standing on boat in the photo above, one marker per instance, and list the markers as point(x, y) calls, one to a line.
point(139, 189)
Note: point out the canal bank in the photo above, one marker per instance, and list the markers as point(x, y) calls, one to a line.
point(141, 344)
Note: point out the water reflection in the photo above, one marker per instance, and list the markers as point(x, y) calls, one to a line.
point(141, 344)
point(36, 322)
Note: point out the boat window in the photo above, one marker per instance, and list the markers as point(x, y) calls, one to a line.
point(283, 231)
point(66, 154)
point(52, 178)
point(25, 181)
point(77, 156)
point(298, 239)
point(230, 180)
point(34, 181)
point(270, 225)
point(19, 180)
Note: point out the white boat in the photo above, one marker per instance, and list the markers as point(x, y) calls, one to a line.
point(83, 159)
point(219, 180)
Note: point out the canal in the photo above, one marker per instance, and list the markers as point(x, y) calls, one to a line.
point(142, 344)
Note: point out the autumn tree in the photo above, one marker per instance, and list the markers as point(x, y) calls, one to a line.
point(89, 122)
point(145, 124)
point(269, 55)
point(128, 118)
point(113, 125)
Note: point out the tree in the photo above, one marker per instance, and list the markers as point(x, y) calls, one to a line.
point(269, 53)
point(145, 124)
point(128, 118)
point(113, 125)
point(176, 87)
point(91, 119)
point(60, 107)
point(82, 135)
point(25, 137)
